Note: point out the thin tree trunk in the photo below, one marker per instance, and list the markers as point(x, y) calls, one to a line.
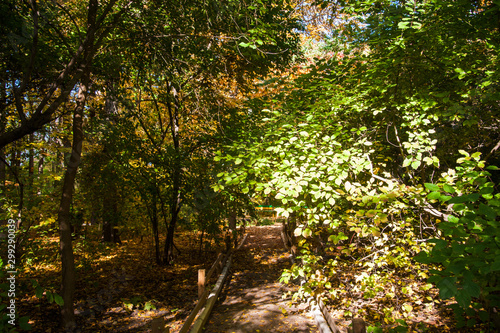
point(175, 207)
point(31, 172)
point(169, 244)
point(201, 243)
point(154, 223)
point(66, 247)
point(232, 228)
point(110, 204)
point(110, 214)
point(175, 204)
point(15, 166)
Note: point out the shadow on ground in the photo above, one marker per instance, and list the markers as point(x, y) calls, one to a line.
point(253, 300)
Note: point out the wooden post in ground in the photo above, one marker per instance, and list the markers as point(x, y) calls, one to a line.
point(212, 298)
point(158, 326)
point(358, 326)
point(201, 283)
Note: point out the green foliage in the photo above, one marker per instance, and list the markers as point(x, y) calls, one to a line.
point(349, 145)
point(137, 302)
point(468, 250)
point(51, 296)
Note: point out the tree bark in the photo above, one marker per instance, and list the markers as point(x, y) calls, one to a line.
point(175, 204)
point(154, 221)
point(110, 204)
point(110, 213)
point(66, 247)
point(232, 229)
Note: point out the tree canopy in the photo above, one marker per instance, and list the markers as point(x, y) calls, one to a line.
point(379, 147)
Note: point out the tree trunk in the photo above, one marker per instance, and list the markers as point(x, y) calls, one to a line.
point(154, 220)
point(174, 213)
point(110, 213)
point(66, 247)
point(175, 205)
point(232, 227)
point(169, 245)
point(201, 243)
point(110, 204)
point(31, 172)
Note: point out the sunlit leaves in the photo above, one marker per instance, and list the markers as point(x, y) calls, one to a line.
point(470, 227)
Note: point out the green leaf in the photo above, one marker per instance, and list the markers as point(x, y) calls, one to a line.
point(472, 288)
point(440, 244)
point(39, 292)
point(403, 25)
point(461, 151)
point(447, 288)
point(448, 188)
point(24, 323)
point(416, 25)
point(487, 211)
point(476, 155)
point(458, 207)
point(58, 299)
point(433, 195)
point(463, 298)
point(496, 265)
point(432, 187)
point(307, 232)
point(371, 213)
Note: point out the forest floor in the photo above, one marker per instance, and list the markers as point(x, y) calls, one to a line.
point(253, 301)
point(121, 289)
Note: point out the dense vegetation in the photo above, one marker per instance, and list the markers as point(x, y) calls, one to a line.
point(372, 126)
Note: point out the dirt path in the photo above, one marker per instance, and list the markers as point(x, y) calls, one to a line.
point(253, 300)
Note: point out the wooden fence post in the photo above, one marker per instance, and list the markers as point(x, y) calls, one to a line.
point(201, 282)
point(358, 326)
point(158, 326)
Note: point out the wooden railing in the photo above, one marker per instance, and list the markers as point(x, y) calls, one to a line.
point(221, 267)
point(207, 300)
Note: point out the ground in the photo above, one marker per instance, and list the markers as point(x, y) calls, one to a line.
point(121, 289)
point(254, 298)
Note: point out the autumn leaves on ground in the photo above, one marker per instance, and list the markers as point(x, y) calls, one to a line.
point(120, 288)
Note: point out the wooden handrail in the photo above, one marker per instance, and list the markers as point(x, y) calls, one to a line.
point(212, 298)
point(220, 261)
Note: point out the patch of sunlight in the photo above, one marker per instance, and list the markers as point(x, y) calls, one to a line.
point(105, 258)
